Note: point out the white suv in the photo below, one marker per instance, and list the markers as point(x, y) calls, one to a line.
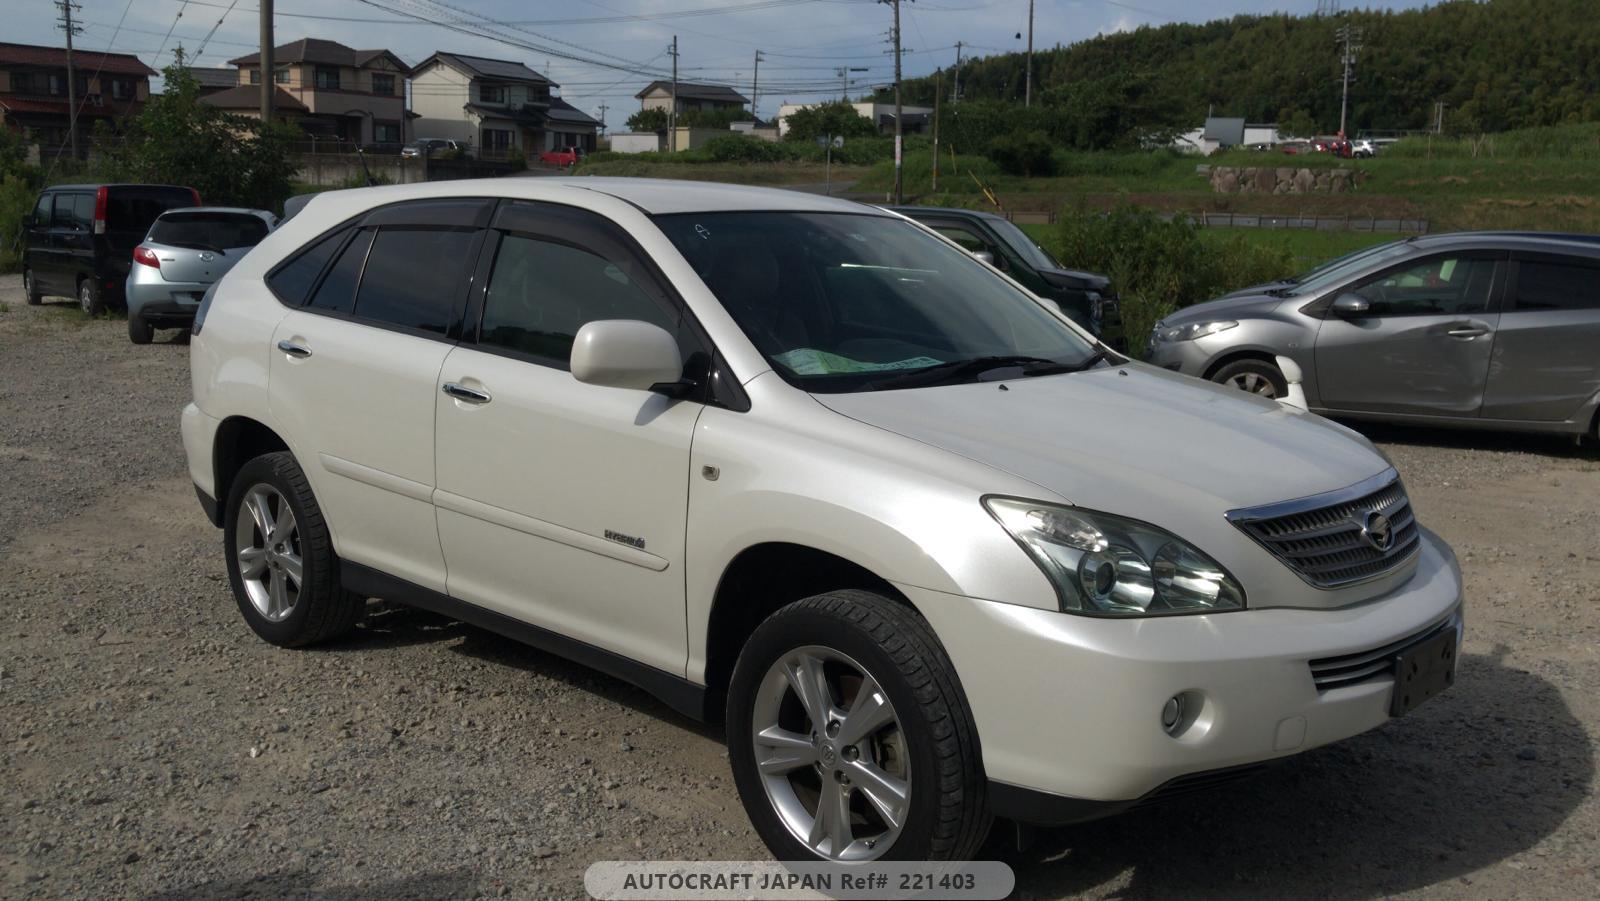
point(934, 554)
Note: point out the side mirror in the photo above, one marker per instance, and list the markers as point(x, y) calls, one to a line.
point(1348, 304)
point(627, 353)
point(27, 220)
point(984, 256)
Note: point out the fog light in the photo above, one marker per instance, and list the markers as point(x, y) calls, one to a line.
point(1172, 713)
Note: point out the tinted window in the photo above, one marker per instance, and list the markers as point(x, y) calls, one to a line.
point(413, 277)
point(337, 293)
point(214, 230)
point(1025, 247)
point(63, 214)
point(133, 209)
point(83, 210)
point(41, 212)
point(963, 237)
point(293, 280)
point(1544, 285)
point(1441, 285)
point(541, 293)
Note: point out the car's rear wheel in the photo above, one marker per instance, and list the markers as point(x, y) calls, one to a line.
point(281, 563)
point(139, 331)
point(1256, 377)
point(849, 736)
point(90, 298)
point(31, 288)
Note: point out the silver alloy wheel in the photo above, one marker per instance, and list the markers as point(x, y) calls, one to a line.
point(1253, 382)
point(27, 283)
point(86, 297)
point(270, 565)
point(831, 754)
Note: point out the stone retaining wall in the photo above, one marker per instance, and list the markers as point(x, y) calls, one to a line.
point(1283, 180)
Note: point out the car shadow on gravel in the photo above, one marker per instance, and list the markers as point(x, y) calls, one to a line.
point(1484, 772)
point(1473, 439)
point(455, 884)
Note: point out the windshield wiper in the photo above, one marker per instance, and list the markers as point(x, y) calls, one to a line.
point(195, 245)
point(955, 371)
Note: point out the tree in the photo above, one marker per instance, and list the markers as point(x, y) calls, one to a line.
point(648, 120)
point(835, 118)
point(176, 139)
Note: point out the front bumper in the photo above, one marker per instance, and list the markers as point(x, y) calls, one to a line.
point(1068, 708)
point(1187, 357)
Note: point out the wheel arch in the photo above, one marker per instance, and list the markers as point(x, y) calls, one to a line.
point(1235, 355)
point(239, 440)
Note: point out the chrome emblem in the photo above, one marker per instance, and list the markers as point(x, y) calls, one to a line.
point(207, 257)
point(1376, 531)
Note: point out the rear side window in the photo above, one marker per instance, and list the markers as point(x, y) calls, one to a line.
point(292, 281)
point(414, 276)
point(209, 230)
point(41, 211)
point(83, 210)
point(63, 214)
point(1550, 285)
point(337, 293)
point(133, 209)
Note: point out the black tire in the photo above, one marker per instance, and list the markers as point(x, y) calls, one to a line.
point(31, 289)
point(323, 608)
point(139, 331)
point(1255, 376)
point(91, 300)
point(948, 817)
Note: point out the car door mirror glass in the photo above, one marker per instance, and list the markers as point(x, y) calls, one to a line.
point(1351, 304)
point(626, 353)
point(984, 256)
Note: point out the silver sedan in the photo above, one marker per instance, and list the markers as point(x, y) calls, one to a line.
point(183, 254)
point(1479, 329)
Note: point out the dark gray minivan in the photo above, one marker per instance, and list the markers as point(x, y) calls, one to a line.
point(79, 239)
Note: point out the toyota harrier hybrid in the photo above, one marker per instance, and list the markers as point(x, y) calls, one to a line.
point(931, 553)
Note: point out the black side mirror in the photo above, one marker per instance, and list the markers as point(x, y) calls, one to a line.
point(1350, 304)
point(27, 220)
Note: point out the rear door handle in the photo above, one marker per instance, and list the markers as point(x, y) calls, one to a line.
point(293, 349)
point(1467, 331)
point(469, 395)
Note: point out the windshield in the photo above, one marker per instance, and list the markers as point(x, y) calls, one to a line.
point(1018, 240)
point(1338, 261)
point(846, 302)
point(1321, 279)
point(209, 230)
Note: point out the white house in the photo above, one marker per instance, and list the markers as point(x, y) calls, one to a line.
point(495, 106)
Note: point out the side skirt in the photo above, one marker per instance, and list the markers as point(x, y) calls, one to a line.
point(676, 692)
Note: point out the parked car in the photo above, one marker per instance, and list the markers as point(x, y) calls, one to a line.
point(185, 252)
point(430, 147)
point(1084, 296)
point(800, 464)
point(562, 156)
point(1364, 149)
point(79, 239)
point(1478, 329)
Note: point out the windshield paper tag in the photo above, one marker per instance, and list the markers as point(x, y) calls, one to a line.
point(810, 361)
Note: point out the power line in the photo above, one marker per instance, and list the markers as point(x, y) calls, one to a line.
point(157, 58)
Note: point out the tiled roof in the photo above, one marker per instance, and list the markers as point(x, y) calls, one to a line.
point(484, 67)
point(562, 111)
point(687, 91)
point(59, 107)
point(34, 55)
point(317, 50)
point(215, 78)
point(248, 97)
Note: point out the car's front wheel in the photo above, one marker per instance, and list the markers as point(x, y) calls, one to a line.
point(281, 563)
point(850, 738)
point(1253, 376)
point(30, 288)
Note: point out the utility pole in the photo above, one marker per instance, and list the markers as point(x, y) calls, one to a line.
point(672, 112)
point(1438, 117)
point(938, 89)
point(955, 92)
point(67, 25)
point(844, 80)
point(1350, 37)
point(899, 126)
point(269, 71)
point(755, 87)
point(1027, 83)
point(603, 109)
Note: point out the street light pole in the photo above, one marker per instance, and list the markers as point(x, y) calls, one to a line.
point(268, 70)
point(1027, 87)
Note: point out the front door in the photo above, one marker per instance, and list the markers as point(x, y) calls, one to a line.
point(1546, 362)
point(563, 504)
point(41, 256)
point(1423, 345)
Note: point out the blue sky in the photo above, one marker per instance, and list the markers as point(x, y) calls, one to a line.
point(621, 44)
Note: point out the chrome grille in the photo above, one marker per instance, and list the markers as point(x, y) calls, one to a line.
point(1352, 669)
point(1320, 537)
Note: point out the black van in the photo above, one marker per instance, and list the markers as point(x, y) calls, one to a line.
point(79, 239)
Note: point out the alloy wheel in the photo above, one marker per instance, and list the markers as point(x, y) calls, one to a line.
point(1255, 383)
point(831, 754)
point(270, 564)
point(86, 298)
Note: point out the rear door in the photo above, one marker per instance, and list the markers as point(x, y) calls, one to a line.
point(1546, 361)
point(354, 371)
point(1423, 346)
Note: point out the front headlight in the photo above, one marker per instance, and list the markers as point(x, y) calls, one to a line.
point(1193, 330)
point(1105, 565)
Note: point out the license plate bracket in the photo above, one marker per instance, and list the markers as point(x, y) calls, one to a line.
point(1422, 671)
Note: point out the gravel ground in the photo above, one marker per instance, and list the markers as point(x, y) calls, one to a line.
point(151, 746)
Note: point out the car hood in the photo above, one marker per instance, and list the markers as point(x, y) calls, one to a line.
point(1076, 280)
point(1230, 306)
point(1132, 439)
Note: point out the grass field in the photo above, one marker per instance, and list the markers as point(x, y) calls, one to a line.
point(1308, 248)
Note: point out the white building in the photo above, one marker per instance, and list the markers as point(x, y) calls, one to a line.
point(494, 106)
point(1220, 132)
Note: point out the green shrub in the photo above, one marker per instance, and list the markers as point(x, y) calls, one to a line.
point(16, 201)
point(1025, 153)
point(737, 148)
point(1157, 266)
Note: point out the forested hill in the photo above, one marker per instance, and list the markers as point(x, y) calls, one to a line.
point(1496, 65)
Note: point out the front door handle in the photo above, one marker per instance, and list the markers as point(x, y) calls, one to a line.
point(1467, 332)
point(469, 395)
point(293, 349)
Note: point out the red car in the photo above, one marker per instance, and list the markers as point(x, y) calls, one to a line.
point(562, 156)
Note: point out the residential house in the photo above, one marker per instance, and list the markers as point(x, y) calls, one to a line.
point(496, 106)
point(33, 92)
point(214, 81)
point(710, 97)
point(570, 127)
point(352, 96)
